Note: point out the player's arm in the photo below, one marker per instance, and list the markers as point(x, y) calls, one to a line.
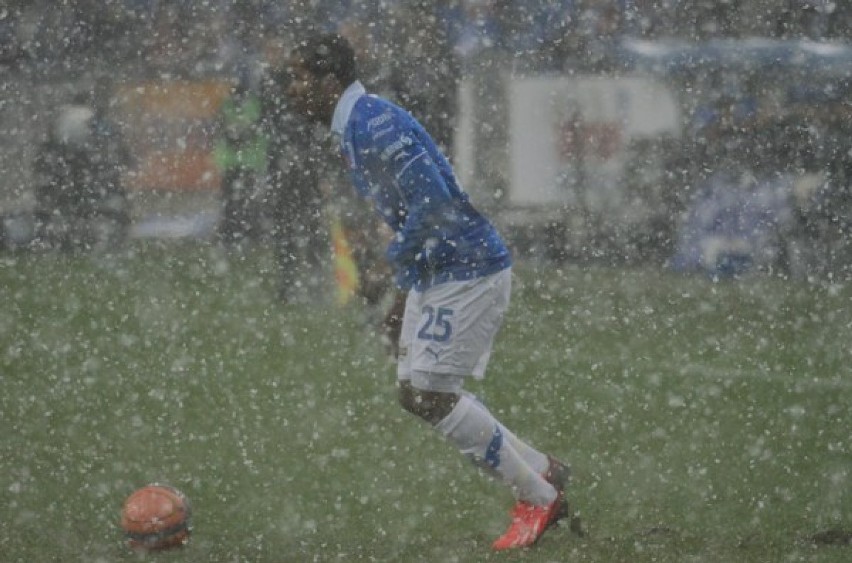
point(392, 323)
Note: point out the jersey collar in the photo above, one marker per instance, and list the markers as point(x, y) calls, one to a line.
point(344, 106)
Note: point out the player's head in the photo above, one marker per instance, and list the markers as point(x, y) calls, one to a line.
point(321, 68)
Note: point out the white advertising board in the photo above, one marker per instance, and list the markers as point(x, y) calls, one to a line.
point(568, 135)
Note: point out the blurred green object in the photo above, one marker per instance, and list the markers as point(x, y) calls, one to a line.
point(243, 144)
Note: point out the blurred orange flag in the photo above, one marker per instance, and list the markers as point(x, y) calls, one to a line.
point(345, 269)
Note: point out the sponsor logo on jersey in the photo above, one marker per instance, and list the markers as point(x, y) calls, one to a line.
point(396, 148)
point(377, 121)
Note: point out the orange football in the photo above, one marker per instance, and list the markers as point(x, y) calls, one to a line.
point(156, 517)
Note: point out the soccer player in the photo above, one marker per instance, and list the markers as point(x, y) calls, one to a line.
point(453, 271)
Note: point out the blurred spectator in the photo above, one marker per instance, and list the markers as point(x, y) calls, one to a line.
point(424, 72)
point(540, 33)
point(241, 156)
point(650, 19)
point(10, 42)
point(81, 202)
point(238, 41)
point(599, 29)
point(476, 27)
point(839, 22)
point(801, 19)
point(53, 32)
point(166, 50)
point(295, 169)
point(822, 151)
point(699, 20)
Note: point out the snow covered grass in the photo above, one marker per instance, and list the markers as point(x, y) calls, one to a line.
point(705, 421)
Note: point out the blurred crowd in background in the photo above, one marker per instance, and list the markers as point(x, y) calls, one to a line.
point(244, 43)
point(186, 37)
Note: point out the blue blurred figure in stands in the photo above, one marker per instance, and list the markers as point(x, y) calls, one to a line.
point(541, 34)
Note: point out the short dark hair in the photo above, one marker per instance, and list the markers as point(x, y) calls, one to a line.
point(329, 54)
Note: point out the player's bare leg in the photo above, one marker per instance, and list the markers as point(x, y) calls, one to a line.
point(431, 406)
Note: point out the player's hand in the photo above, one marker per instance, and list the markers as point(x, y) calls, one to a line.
point(392, 325)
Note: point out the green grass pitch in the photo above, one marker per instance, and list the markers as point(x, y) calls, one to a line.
point(705, 421)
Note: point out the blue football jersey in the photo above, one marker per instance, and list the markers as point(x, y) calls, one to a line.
point(392, 160)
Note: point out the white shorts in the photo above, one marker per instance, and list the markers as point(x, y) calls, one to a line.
point(448, 331)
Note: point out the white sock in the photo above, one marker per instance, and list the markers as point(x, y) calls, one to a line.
point(534, 458)
point(478, 435)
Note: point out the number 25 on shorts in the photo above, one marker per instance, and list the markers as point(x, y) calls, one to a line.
point(436, 324)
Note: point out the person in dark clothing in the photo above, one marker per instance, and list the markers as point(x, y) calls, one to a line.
point(294, 170)
point(81, 201)
point(241, 156)
point(420, 40)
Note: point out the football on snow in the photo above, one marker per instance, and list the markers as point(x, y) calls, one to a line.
point(156, 517)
